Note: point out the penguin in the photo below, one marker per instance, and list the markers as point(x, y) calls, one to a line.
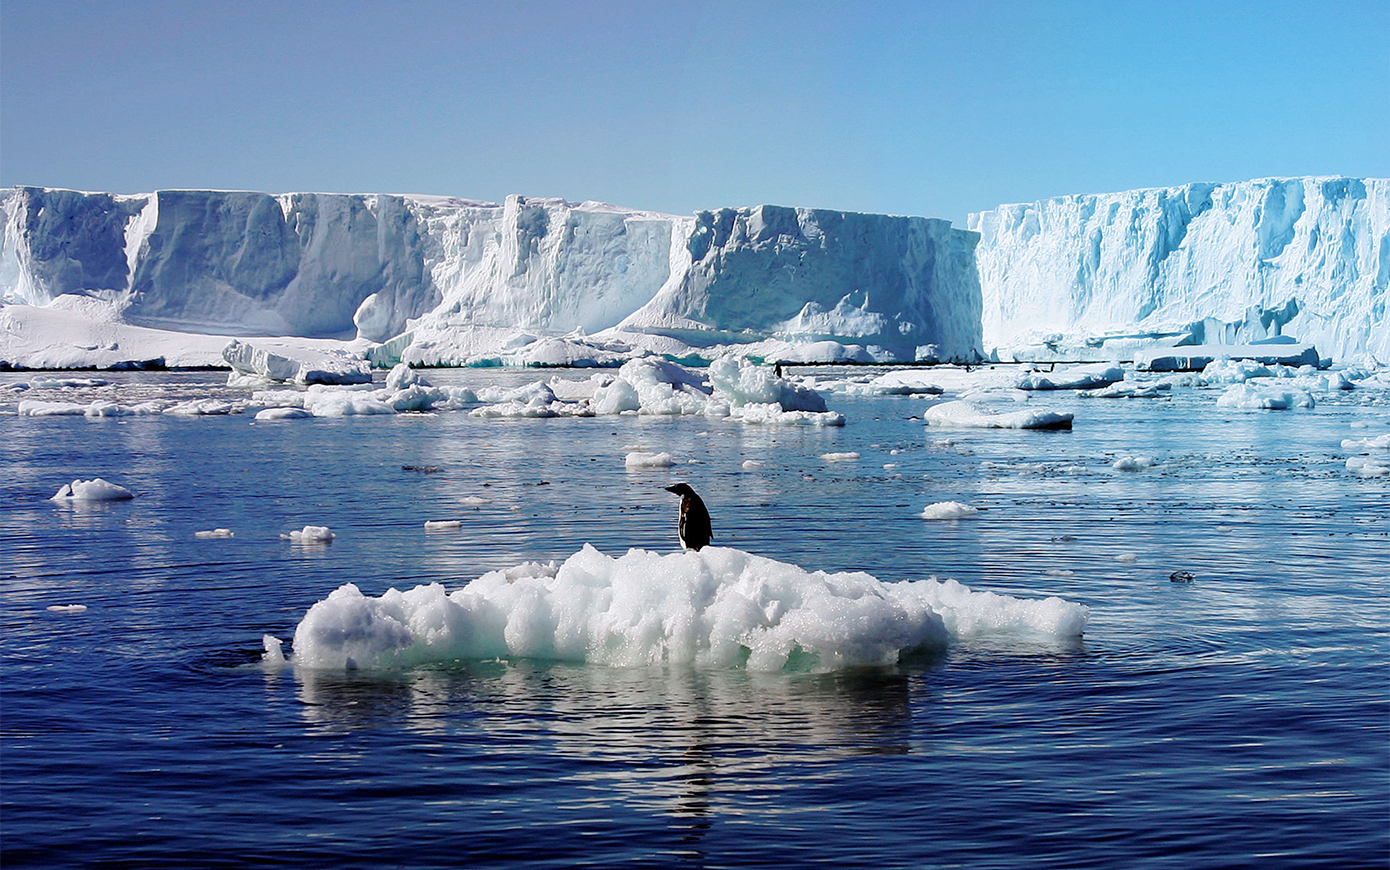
point(694, 526)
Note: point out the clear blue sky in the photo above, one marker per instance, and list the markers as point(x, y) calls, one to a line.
point(927, 108)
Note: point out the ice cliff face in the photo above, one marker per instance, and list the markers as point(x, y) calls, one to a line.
point(1203, 263)
point(894, 283)
point(378, 267)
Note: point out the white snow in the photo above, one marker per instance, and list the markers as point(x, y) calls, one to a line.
point(717, 608)
point(95, 489)
point(949, 510)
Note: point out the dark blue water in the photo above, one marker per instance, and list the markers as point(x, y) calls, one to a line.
point(1240, 720)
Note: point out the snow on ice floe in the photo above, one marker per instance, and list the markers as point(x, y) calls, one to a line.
point(719, 608)
point(96, 489)
point(949, 510)
point(978, 416)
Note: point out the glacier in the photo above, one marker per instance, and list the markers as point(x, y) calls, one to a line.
point(1101, 276)
point(446, 281)
point(169, 278)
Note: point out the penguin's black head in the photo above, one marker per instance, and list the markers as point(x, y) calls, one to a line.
point(681, 489)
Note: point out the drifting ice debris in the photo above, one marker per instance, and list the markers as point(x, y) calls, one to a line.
point(968, 415)
point(311, 535)
point(92, 490)
point(949, 510)
point(442, 525)
point(215, 533)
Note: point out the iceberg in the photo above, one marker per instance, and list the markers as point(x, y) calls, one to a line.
point(1101, 276)
point(432, 280)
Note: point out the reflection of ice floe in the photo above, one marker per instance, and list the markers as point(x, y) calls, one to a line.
point(718, 607)
point(976, 416)
point(96, 489)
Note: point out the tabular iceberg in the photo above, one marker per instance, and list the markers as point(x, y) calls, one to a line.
point(440, 280)
point(1219, 264)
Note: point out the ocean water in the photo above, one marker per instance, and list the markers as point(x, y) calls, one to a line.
point(1238, 720)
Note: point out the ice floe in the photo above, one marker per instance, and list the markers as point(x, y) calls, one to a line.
point(96, 489)
point(719, 607)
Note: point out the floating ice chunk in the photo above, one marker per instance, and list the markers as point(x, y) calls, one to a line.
point(1060, 572)
point(649, 460)
point(276, 360)
point(1126, 557)
point(35, 408)
point(718, 607)
point(750, 464)
point(311, 535)
point(442, 525)
point(274, 653)
point(850, 456)
point(283, 414)
point(1129, 391)
point(215, 533)
point(402, 376)
point(1367, 466)
point(970, 415)
point(1380, 442)
point(96, 489)
point(200, 408)
point(67, 608)
point(1134, 463)
point(742, 382)
point(949, 510)
point(1077, 378)
point(1252, 397)
point(472, 500)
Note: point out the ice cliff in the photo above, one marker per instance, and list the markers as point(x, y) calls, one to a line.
point(441, 280)
point(1199, 264)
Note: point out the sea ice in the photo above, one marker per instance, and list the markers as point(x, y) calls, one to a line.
point(971, 415)
point(1134, 463)
point(311, 535)
point(949, 510)
point(96, 489)
point(718, 607)
point(1255, 397)
point(215, 533)
point(442, 525)
point(649, 460)
point(849, 456)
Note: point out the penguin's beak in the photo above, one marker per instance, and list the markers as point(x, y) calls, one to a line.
point(671, 488)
